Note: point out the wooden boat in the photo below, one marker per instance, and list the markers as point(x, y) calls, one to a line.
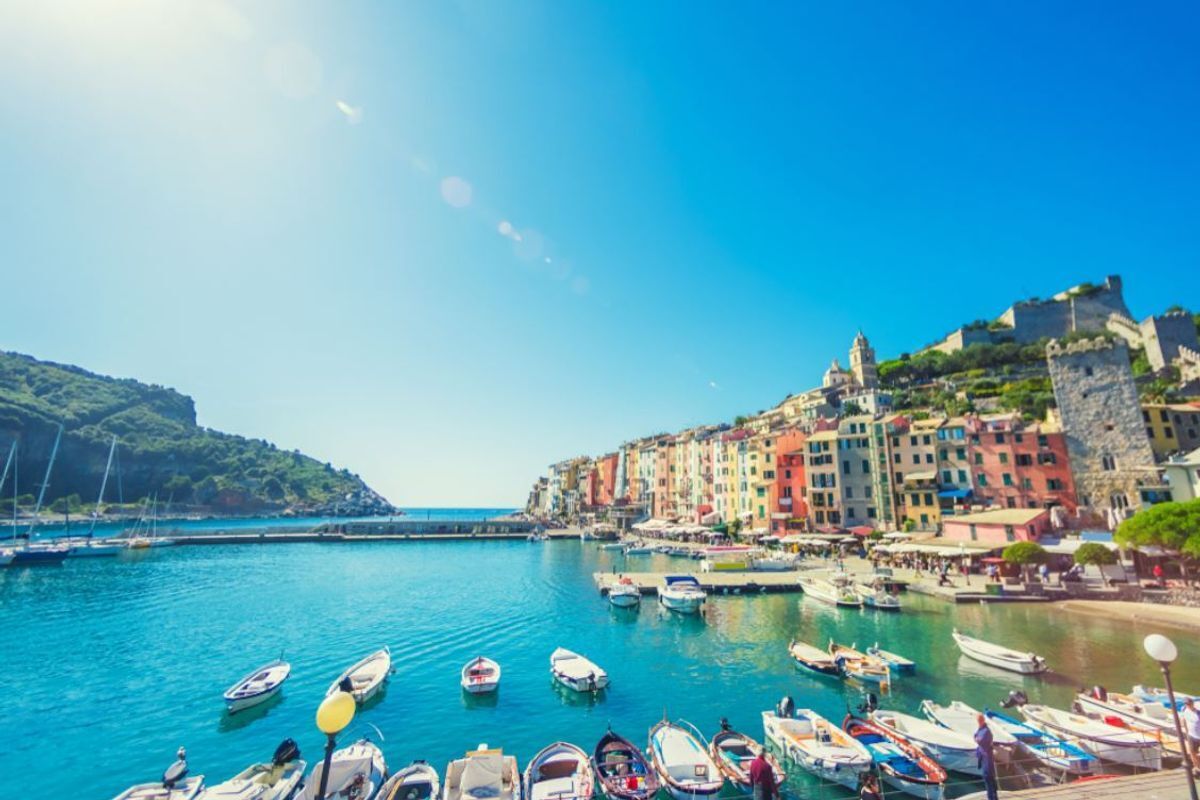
point(1159, 695)
point(963, 719)
point(681, 593)
point(560, 771)
point(575, 672)
point(875, 594)
point(366, 677)
point(813, 658)
point(834, 592)
point(733, 753)
point(480, 676)
point(1148, 715)
point(277, 779)
point(417, 781)
point(902, 764)
point(895, 661)
point(856, 664)
point(1052, 751)
point(684, 767)
point(624, 594)
point(818, 746)
point(622, 769)
point(483, 773)
point(356, 771)
point(1107, 742)
point(951, 749)
point(997, 656)
point(257, 687)
point(175, 784)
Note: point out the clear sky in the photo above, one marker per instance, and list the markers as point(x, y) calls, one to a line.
point(445, 244)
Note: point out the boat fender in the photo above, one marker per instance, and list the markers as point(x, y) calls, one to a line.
point(177, 771)
point(287, 751)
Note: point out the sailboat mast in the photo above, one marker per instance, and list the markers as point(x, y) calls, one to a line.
point(12, 451)
point(104, 483)
point(45, 481)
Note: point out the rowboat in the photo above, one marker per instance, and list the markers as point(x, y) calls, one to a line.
point(951, 749)
point(902, 764)
point(277, 779)
point(480, 676)
point(1147, 715)
point(622, 769)
point(681, 593)
point(417, 781)
point(895, 661)
point(997, 656)
point(624, 594)
point(857, 664)
point(733, 753)
point(356, 771)
point(962, 719)
point(576, 672)
point(875, 594)
point(1053, 751)
point(483, 773)
point(1106, 742)
point(257, 687)
point(175, 784)
point(366, 677)
point(813, 658)
point(684, 767)
point(834, 592)
point(560, 771)
point(818, 746)
point(1159, 695)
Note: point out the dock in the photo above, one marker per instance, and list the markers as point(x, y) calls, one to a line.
point(1168, 784)
point(386, 531)
point(711, 582)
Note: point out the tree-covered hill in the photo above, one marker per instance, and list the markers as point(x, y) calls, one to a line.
point(161, 449)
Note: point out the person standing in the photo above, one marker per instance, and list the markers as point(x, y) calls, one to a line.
point(985, 756)
point(870, 788)
point(762, 777)
point(1191, 729)
point(1158, 575)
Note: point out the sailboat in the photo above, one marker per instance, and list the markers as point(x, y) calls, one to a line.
point(150, 538)
point(33, 553)
point(7, 553)
point(89, 546)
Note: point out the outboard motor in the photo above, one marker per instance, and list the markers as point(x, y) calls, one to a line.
point(786, 708)
point(287, 751)
point(725, 724)
point(346, 685)
point(177, 771)
point(869, 704)
point(1015, 698)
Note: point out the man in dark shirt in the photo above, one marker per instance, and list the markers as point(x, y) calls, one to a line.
point(762, 777)
point(986, 757)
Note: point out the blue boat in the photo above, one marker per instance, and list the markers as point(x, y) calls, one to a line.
point(895, 661)
point(1055, 753)
point(814, 659)
point(904, 765)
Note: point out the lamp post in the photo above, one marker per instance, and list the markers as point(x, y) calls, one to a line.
point(333, 715)
point(1163, 650)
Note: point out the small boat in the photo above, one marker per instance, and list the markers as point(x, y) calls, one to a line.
point(638, 549)
point(355, 772)
point(684, 767)
point(856, 664)
point(875, 594)
point(1132, 711)
point(480, 676)
point(904, 766)
point(1157, 694)
point(277, 779)
point(622, 769)
point(951, 749)
point(575, 672)
point(94, 548)
point(612, 546)
point(175, 784)
point(681, 593)
point(963, 719)
point(560, 771)
point(6, 557)
point(997, 656)
point(895, 661)
point(834, 592)
point(417, 781)
point(482, 774)
point(1052, 751)
point(733, 753)
point(366, 677)
point(35, 554)
point(624, 594)
point(813, 658)
point(259, 686)
point(817, 745)
point(1106, 742)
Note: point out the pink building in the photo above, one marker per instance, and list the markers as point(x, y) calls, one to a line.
point(999, 527)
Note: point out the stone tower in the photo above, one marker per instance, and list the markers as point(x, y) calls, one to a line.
point(1102, 420)
point(862, 362)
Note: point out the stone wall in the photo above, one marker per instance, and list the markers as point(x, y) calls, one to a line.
point(1164, 335)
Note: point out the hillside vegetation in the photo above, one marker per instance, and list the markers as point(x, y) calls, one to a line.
point(161, 449)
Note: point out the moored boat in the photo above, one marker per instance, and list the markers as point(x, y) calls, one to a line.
point(258, 686)
point(175, 784)
point(560, 771)
point(951, 749)
point(480, 675)
point(484, 773)
point(366, 677)
point(1106, 742)
point(622, 769)
point(963, 719)
point(624, 594)
point(895, 661)
point(1157, 694)
point(904, 766)
point(1134, 712)
point(576, 672)
point(813, 658)
point(638, 549)
point(89, 546)
point(733, 753)
point(817, 745)
point(835, 592)
point(998, 656)
point(681, 593)
point(1052, 751)
point(417, 781)
point(277, 779)
point(684, 767)
point(875, 594)
point(856, 664)
point(356, 771)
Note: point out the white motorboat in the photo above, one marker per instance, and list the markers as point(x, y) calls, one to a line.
point(277, 779)
point(575, 672)
point(997, 656)
point(963, 719)
point(560, 771)
point(1158, 694)
point(175, 784)
point(356, 771)
point(6, 557)
point(951, 749)
point(482, 774)
point(1106, 742)
point(612, 546)
point(624, 594)
point(1051, 751)
point(1136, 713)
point(366, 677)
point(875, 594)
point(480, 676)
point(681, 593)
point(817, 745)
point(638, 549)
point(835, 592)
point(257, 687)
point(682, 763)
point(417, 781)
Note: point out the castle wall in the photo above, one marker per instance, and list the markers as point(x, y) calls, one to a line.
point(1162, 337)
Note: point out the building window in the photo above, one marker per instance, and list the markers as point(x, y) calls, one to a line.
point(962, 476)
point(899, 478)
point(845, 467)
point(866, 467)
point(1108, 463)
point(974, 533)
point(1004, 458)
point(1010, 533)
point(1054, 484)
point(999, 438)
point(871, 512)
point(928, 499)
point(946, 476)
point(978, 458)
point(761, 492)
point(917, 458)
point(1167, 432)
point(897, 458)
point(981, 479)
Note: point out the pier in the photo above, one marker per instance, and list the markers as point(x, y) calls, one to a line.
point(387, 530)
point(1165, 785)
point(711, 582)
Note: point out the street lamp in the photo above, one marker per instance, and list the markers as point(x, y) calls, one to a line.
point(333, 715)
point(1163, 650)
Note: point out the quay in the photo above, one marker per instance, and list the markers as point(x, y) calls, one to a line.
point(711, 582)
point(1168, 784)
point(394, 531)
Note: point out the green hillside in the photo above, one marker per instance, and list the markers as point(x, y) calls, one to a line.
point(161, 449)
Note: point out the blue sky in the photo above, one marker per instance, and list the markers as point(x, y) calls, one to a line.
point(445, 244)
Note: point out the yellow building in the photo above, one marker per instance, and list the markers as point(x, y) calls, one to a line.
point(1172, 427)
point(920, 500)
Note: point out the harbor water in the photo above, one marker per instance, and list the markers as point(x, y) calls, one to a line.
point(108, 665)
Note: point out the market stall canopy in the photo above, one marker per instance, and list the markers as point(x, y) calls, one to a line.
point(897, 536)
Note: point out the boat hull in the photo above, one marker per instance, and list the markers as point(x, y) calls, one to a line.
point(625, 599)
point(36, 557)
point(681, 605)
point(1001, 658)
point(242, 703)
point(845, 771)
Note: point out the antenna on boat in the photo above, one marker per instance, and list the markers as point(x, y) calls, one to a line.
point(12, 452)
point(45, 482)
point(103, 484)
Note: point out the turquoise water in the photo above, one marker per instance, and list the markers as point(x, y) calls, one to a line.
point(108, 665)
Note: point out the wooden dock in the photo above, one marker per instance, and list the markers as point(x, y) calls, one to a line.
point(712, 582)
point(1165, 785)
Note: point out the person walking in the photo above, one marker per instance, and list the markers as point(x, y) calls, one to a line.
point(762, 777)
point(986, 757)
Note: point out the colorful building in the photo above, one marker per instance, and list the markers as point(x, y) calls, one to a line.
point(999, 527)
point(1173, 428)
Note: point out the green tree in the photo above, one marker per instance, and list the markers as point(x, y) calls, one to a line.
point(1096, 554)
point(1171, 526)
point(1024, 555)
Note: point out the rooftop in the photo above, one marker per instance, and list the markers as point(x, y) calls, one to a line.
point(1000, 516)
